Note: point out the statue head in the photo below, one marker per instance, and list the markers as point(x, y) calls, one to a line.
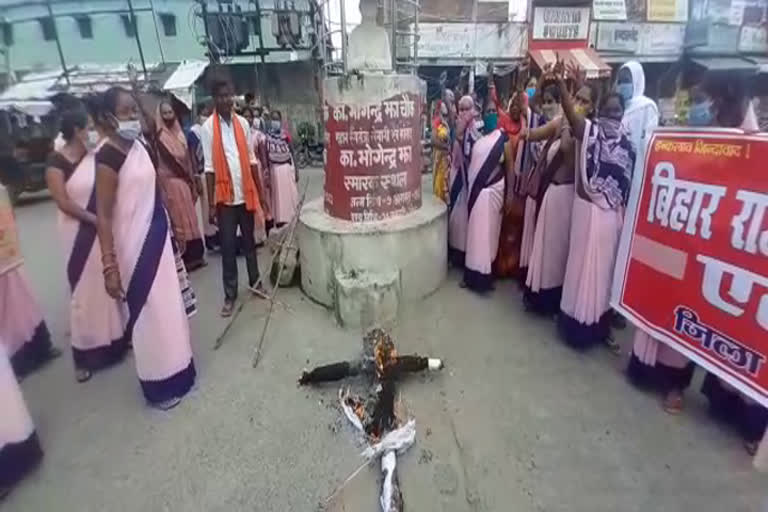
point(368, 10)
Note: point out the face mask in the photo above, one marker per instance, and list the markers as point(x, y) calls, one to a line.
point(93, 139)
point(531, 92)
point(700, 114)
point(625, 90)
point(550, 110)
point(275, 126)
point(580, 110)
point(490, 121)
point(129, 130)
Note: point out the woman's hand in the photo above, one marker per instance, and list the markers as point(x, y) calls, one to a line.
point(113, 284)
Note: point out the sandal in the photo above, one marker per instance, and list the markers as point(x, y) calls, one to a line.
point(167, 405)
point(613, 346)
point(673, 403)
point(82, 375)
point(53, 353)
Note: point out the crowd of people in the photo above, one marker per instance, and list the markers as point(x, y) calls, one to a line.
point(537, 191)
point(126, 179)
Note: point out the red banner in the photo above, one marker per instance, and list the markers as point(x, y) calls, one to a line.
point(693, 261)
point(373, 158)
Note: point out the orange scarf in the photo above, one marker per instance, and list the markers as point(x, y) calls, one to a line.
point(224, 192)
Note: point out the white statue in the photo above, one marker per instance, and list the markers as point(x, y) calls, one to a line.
point(368, 44)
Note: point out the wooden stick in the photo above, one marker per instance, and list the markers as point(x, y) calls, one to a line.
point(220, 340)
point(761, 457)
point(343, 484)
point(287, 241)
point(263, 295)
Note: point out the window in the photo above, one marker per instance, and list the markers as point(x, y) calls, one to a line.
point(169, 24)
point(6, 29)
point(48, 28)
point(255, 25)
point(85, 26)
point(129, 25)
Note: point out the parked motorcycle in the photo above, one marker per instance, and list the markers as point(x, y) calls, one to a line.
point(309, 151)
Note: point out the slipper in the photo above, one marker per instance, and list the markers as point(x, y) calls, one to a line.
point(673, 404)
point(613, 346)
point(227, 309)
point(83, 375)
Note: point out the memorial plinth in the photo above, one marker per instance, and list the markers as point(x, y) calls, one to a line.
point(372, 242)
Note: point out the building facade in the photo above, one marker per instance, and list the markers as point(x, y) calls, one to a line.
point(104, 32)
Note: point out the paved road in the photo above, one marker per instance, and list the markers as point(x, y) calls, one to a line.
point(517, 422)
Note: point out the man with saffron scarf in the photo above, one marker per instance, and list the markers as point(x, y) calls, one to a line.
point(235, 193)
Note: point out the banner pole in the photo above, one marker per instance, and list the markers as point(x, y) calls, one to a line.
point(761, 457)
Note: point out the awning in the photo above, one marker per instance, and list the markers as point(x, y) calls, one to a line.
point(182, 80)
point(725, 63)
point(586, 58)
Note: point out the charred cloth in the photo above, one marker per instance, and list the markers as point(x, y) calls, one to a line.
point(376, 414)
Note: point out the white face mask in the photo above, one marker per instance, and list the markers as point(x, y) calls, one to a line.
point(93, 139)
point(129, 130)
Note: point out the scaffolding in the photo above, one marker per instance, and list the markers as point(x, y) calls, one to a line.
point(404, 34)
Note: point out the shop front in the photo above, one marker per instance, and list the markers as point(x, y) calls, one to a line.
point(563, 33)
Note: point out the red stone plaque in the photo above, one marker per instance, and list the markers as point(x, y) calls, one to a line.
point(373, 158)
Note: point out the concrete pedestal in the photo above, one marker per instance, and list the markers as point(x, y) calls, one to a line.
point(365, 271)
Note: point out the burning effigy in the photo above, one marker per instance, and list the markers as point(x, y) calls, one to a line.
point(376, 414)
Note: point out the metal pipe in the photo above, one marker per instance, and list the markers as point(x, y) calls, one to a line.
point(157, 32)
point(417, 11)
point(138, 40)
point(343, 36)
point(260, 72)
point(58, 42)
point(393, 32)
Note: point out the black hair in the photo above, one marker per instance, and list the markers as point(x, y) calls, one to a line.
point(730, 88)
point(217, 86)
point(249, 109)
point(109, 100)
point(553, 90)
point(619, 97)
point(279, 114)
point(75, 118)
point(202, 107)
point(257, 109)
point(248, 97)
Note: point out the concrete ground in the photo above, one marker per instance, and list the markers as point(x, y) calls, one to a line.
point(516, 422)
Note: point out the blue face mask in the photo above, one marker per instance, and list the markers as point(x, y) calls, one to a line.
point(531, 92)
point(489, 122)
point(700, 114)
point(625, 90)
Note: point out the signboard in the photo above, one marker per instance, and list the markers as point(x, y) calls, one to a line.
point(618, 37)
point(609, 10)
point(374, 161)
point(561, 23)
point(753, 39)
point(467, 40)
point(696, 228)
point(662, 39)
point(10, 255)
point(668, 10)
